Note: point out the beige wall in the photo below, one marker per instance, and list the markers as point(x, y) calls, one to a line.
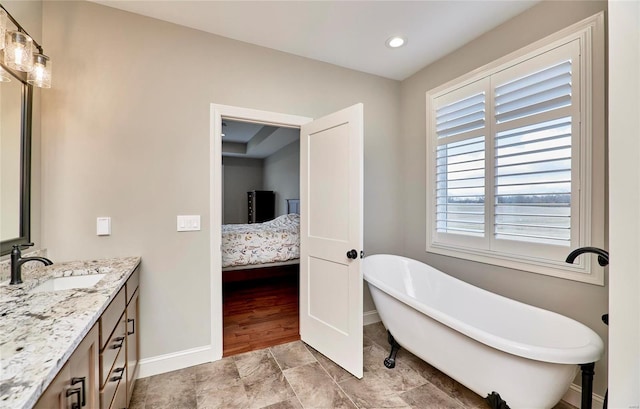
point(240, 176)
point(624, 176)
point(583, 302)
point(282, 175)
point(126, 134)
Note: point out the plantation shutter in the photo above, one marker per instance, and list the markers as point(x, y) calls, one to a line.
point(515, 157)
point(506, 158)
point(536, 115)
point(460, 127)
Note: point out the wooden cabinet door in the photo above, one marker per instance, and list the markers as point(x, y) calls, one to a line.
point(54, 396)
point(133, 343)
point(120, 399)
point(77, 381)
point(84, 369)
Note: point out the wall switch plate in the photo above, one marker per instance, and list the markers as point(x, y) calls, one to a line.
point(189, 223)
point(103, 226)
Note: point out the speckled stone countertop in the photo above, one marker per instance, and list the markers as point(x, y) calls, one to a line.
point(40, 331)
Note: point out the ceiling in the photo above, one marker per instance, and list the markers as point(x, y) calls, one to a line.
point(256, 141)
point(350, 34)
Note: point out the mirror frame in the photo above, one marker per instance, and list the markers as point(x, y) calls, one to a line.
point(24, 235)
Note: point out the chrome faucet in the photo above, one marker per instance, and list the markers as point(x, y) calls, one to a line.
point(17, 261)
point(603, 255)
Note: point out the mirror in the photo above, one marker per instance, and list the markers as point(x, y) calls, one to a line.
point(15, 160)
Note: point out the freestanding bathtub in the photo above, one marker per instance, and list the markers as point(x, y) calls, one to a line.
point(487, 342)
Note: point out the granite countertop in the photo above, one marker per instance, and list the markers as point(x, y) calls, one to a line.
point(40, 331)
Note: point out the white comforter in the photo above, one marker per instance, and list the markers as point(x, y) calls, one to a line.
point(258, 243)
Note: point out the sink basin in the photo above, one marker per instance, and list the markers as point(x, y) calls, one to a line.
point(68, 283)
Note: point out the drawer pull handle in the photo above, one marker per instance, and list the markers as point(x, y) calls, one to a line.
point(83, 387)
point(118, 346)
point(74, 391)
point(118, 370)
point(133, 322)
point(115, 378)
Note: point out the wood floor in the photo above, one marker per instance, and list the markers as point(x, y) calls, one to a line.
point(261, 310)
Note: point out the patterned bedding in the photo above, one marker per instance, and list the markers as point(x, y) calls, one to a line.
point(259, 243)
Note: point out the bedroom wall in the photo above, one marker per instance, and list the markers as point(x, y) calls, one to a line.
point(126, 134)
point(583, 302)
point(240, 175)
point(282, 175)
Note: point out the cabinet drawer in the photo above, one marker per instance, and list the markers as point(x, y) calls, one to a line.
point(132, 284)
point(120, 400)
point(113, 350)
point(117, 376)
point(110, 317)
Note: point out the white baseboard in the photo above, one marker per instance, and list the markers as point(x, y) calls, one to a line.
point(370, 317)
point(574, 397)
point(174, 361)
point(183, 359)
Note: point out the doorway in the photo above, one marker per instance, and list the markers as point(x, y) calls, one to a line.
point(260, 235)
point(260, 308)
point(220, 114)
point(331, 229)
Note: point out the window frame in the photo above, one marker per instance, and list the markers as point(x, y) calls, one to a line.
point(590, 219)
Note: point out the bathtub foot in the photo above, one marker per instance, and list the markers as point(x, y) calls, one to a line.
point(390, 361)
point(587, 384)
point(495, 401)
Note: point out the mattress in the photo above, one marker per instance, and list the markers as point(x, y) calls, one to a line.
point(260, 243)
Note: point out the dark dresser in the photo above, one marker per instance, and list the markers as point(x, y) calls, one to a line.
point(262, 205)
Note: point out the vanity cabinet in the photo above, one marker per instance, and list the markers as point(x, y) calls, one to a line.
point(76, 385)
point(119, 346)
point(101, 372)
point(133, 342)
point(113, 338)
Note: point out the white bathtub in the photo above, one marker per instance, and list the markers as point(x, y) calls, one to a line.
point(483, 340)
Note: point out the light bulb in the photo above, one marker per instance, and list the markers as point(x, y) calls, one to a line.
point(18, 51)
point(396, 41)
point(40, 75)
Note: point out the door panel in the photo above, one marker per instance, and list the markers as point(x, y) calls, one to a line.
point(328, 176)
point(326, 277)
point(331, 179)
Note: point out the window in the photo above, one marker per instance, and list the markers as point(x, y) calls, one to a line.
point(510, 155)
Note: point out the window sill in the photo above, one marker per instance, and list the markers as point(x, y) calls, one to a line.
point(586, 272)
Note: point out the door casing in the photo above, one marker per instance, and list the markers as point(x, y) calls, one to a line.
point(217, 113)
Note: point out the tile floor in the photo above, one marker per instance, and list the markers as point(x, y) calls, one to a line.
point(294, 375)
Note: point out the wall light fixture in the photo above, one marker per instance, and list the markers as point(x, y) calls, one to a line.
point(23, 53)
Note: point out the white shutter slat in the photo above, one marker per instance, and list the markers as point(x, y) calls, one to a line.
point(460, 187)
point(542, 91)
point(533, 172)
point(540, 76)
point(461, 116)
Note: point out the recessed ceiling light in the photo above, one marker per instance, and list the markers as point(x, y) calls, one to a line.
point(396, 41)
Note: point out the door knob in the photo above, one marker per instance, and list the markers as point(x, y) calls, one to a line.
point(352, 254)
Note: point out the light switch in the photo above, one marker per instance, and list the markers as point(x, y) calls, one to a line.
point(103, 226)
point(189, 223)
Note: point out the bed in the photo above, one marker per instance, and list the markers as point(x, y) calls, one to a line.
point(258, 245)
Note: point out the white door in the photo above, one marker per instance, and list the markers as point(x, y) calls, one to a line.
point(331, 179)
